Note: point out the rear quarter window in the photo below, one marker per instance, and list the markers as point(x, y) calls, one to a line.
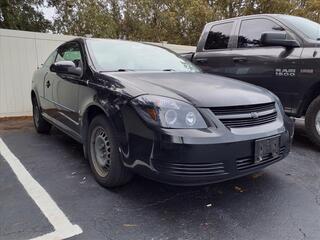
point(219, 36)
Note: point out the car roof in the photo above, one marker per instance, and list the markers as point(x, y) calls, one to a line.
point(251, 16)
point(81, 39)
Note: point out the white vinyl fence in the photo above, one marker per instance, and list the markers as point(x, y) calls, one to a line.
point(21, 53)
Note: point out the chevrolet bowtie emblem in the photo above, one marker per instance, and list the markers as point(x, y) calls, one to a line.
point(254, 115)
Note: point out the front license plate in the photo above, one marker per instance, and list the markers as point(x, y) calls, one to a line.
point(266, 148)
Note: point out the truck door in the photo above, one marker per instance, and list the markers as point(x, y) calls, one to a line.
point(214, 53)
point(272, 67)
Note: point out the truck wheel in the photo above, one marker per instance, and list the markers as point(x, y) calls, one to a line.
point(312, 121)
point(104, 156)
point(40, 124)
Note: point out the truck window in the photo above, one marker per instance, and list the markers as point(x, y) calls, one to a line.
point(219, 36)
point(251, 30)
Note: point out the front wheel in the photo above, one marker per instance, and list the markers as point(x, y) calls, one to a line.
point(313, 121)
point(104, 156)
point(40, 124)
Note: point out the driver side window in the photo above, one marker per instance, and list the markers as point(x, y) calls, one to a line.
point(251, 30)
point(70, 52)
point(50, 59)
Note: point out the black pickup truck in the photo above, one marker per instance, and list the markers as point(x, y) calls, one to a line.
point(278, 52)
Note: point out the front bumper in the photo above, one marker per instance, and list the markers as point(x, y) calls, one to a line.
point(199, 157)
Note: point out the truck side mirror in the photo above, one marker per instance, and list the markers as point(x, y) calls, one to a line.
point(66, 67)
point(278, 39)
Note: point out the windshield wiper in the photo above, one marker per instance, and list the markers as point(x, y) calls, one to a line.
point(125, 70)
point(168, 70)
point(119, 70)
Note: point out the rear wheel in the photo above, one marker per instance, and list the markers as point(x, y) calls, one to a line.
point(40, 124)
point(104, 156)
point(313, 121)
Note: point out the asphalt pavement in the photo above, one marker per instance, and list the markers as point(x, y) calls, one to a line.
point(279, 202)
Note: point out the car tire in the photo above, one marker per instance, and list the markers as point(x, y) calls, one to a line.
point(40, 124)
point(312, 121)
point(104, 156)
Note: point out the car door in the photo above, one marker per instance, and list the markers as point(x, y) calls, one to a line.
point(272, 67)
point(65, 88)
point(46, 98)
point(214, 53)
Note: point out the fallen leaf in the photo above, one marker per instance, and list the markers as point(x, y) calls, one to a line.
point(257, 175)
point(130, 225)
point(239, 189)
point(220, 192)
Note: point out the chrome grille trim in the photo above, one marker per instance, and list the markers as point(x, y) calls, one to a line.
point(246, 116)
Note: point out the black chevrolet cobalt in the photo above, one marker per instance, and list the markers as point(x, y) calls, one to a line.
point(138, 108)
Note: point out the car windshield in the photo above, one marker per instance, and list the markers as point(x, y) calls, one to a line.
point(118, 55)
point(309, 28)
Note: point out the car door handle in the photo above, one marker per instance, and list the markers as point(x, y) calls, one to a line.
point(239, 59)
point(201, 60)
point(48, 84)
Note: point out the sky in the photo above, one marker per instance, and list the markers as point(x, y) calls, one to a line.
point(49, 12)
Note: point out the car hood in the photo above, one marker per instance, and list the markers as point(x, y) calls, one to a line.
point(202, 90)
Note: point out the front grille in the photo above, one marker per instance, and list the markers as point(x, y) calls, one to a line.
point(246, 116)
point(191, 169)
point(248, 162)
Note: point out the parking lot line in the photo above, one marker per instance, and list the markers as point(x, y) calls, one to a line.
point(63, 227)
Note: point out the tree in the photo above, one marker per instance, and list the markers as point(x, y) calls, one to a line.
point(175, 21)
point(185, 20)
point(23, 15)
point(267, 6)
point(308, 8)
point(82, 17)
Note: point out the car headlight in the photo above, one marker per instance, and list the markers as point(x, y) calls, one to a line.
point(167, 112)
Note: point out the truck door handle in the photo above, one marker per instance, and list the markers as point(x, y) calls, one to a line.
point(239, 59)
point(201, 60)
point(48, 84)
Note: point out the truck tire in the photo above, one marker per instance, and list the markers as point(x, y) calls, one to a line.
point(312, 121)
point(104, 156)
point(40, 124)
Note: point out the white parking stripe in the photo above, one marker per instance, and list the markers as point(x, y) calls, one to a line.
point(61, 234)
point(63, 227)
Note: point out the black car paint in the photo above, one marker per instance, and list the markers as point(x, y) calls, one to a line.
point(76, 99)
point(258, 65)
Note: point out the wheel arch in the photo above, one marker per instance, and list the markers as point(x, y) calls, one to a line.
point(90, 112)
point(309, 97)
point(88, 115)
point(93, 110)
point(33, 95)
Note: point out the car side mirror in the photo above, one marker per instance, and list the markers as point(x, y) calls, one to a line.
point(66, 67)
point(278, 39)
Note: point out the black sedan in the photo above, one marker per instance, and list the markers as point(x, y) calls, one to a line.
point(138, 108)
